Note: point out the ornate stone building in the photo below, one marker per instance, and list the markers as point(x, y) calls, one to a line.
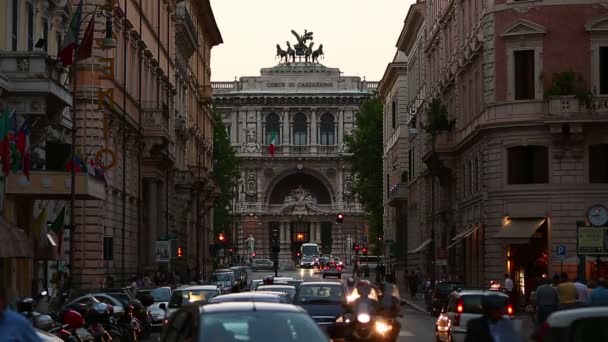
point(300, 183)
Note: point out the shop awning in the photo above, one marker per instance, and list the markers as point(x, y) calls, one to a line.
point(421, 247)
point(15, 243)
point(463, 235)
point(517, 228)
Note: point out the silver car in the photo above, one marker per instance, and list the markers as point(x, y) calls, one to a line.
point(189, 294)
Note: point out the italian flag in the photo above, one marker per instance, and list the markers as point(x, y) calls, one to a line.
point(69, 42)
point(273, 143)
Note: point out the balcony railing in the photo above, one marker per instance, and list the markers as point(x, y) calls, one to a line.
point(397, 194)
point(55, 185)
point(186, 36)
point(566, 106)
point(155, 120)
point(303, 150)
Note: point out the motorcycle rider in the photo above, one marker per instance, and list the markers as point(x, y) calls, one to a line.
point(350, 284)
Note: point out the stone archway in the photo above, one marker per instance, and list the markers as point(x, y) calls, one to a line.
point(288, 180)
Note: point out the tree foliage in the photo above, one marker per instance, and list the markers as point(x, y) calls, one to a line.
point(225, 173)
point(365, 148)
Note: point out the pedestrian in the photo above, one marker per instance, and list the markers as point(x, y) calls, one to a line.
point(567, 292)
point(599, 295)
point(14, 327)
point(148, 280)
point(413, 284)
point(134, 282)
point(509, 286)
point(419, 278)
point(582, 294)
point(546, 300)
point(492, 326)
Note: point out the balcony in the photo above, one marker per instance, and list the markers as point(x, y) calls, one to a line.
point(397, 194)
point(571, 108)
point(35, 83)
point(186, 37)
point(155, 120)
point(303, 151)
point(205, 92)
point(55, 185)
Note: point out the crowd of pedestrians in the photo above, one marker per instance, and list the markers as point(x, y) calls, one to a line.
point(561, 293)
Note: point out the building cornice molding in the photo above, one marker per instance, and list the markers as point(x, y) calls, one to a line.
point(523, 28)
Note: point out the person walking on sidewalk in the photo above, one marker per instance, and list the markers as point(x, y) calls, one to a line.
point(582, 293)
point(413, 285)
point(599, 295)
point(546, 300)
point(567, 292)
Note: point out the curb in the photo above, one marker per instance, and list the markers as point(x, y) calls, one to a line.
point(415, 306)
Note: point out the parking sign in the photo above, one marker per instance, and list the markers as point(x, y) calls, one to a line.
point(560, 251)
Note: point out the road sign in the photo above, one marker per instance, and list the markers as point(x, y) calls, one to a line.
point(363, 238)
point(560, 251)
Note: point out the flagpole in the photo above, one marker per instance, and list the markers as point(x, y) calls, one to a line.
point(73, 174)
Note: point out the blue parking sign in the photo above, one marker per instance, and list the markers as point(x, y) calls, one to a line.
point(363, 238)
point(560, 250)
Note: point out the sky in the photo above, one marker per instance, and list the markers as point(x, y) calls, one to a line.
point(358, 36)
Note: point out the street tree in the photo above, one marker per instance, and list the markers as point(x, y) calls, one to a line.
point(364, 151)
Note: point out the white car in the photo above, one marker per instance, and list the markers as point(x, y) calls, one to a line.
point(463, 306)
point(262, 264)
point(581, 324)
point(189, 294)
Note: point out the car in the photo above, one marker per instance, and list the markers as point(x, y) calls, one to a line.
point(161, 296)
point(276, 280)
point(579, 324)
point(240, 272)
point(440, 294)
point(462, 306)
point(332, 269)
point(94, 298)
point(262, 264)
point(257, 296)
point(324, 301)
point(293, 282)
point(225, 279)
point(187, 295)
point(307, 262)
point(243, 321)
point(290, 290)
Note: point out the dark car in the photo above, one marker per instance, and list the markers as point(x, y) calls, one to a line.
point(439, 296)
point(240, 272)
point(262, 297)
point(290, 290)
point(244, 321)
point(323, 301)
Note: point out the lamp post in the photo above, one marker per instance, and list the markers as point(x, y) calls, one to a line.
point(108, 43)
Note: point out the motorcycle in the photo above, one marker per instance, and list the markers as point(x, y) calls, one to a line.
point(46, 323)
point(364, 319)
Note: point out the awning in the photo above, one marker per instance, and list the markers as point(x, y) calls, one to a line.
point(463, 235)
point(517, 228)
point(15, 243)
point(421, 247)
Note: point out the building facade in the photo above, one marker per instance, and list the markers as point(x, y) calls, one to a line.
point(297, 186)
point(138, 114)
point(503, 159)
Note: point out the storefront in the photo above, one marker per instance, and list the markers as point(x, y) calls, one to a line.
point(16, 260)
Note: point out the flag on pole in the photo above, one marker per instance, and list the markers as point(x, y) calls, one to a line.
point(85, 50)
point(39, 226)
point(66, 53)
point(15, 156)
point(273, 141)
point(23, 145)
point(4, 148)
point(57, 226)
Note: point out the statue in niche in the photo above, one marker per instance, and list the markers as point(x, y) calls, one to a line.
point(300, 201)
point(250, 241)
point(252, 189)
point(348, 184)
point(250, 145)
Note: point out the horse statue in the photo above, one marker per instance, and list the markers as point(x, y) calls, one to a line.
point(308, 52)
point(281, 53)
point(318, 52)
point(291, 52)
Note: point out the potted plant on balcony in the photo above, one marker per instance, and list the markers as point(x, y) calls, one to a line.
point(438, 119)
point(568, 93)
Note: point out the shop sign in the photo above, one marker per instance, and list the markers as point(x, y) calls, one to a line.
point(592, 241)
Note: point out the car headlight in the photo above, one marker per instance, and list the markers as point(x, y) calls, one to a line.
point(382, 327)
point(352, 296)
point(363, 318)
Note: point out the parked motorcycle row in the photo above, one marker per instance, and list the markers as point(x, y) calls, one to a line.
point(88, 319)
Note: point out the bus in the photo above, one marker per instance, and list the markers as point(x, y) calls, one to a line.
point(310, 249)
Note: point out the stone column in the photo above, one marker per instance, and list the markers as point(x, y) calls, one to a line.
point(260, 194)
point(313, 130)
point(286, 132)
point(152, 207)
point(340, 136)
point(288, 233)
point(234, 126)
point(258, 129)
point(282, 232)
point(318, 236)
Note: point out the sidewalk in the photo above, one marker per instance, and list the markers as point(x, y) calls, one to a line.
point(415, 302)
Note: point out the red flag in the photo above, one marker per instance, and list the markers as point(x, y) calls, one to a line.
point(86, 46)
point(23, 145)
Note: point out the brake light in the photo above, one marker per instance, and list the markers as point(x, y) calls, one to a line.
point(510, 310)
point(459, 310)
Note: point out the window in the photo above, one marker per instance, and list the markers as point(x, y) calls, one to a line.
point(30, 27)
point(394, 114)
point(272, 128)
point(15, 26)
point(108, 248)
point(604, 70)
point(524, 74)
point(327, 129)
point(528, 165)
point(300, 127)
point(598, 163)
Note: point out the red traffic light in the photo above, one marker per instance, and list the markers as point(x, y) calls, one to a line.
point(221, 237)
point(231, 250)
point(180, 252)
point(364, 250)
point(253, 254)
point(356, 247)
point(340, 218)
point(298, 254)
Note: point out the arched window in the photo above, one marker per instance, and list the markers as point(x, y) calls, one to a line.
point(273, 128)
point(300, 129)
point(327, 130)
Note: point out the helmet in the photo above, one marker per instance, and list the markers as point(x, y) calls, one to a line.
point(100, 311)
point(268, 280)
point(73, 319)
point(44, 322)
point(136, 304)
point(350, 282)
point(26, 305)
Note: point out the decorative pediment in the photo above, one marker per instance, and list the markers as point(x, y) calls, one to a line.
point(524, 28)
point(598, 24)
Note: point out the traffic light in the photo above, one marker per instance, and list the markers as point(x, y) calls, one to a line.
point(231, 250)
point(221, 237)
point(364, 250)
point(339, 218)
point(356, 248)
point(298, 254)
point(180, 252)
point(253, 255)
